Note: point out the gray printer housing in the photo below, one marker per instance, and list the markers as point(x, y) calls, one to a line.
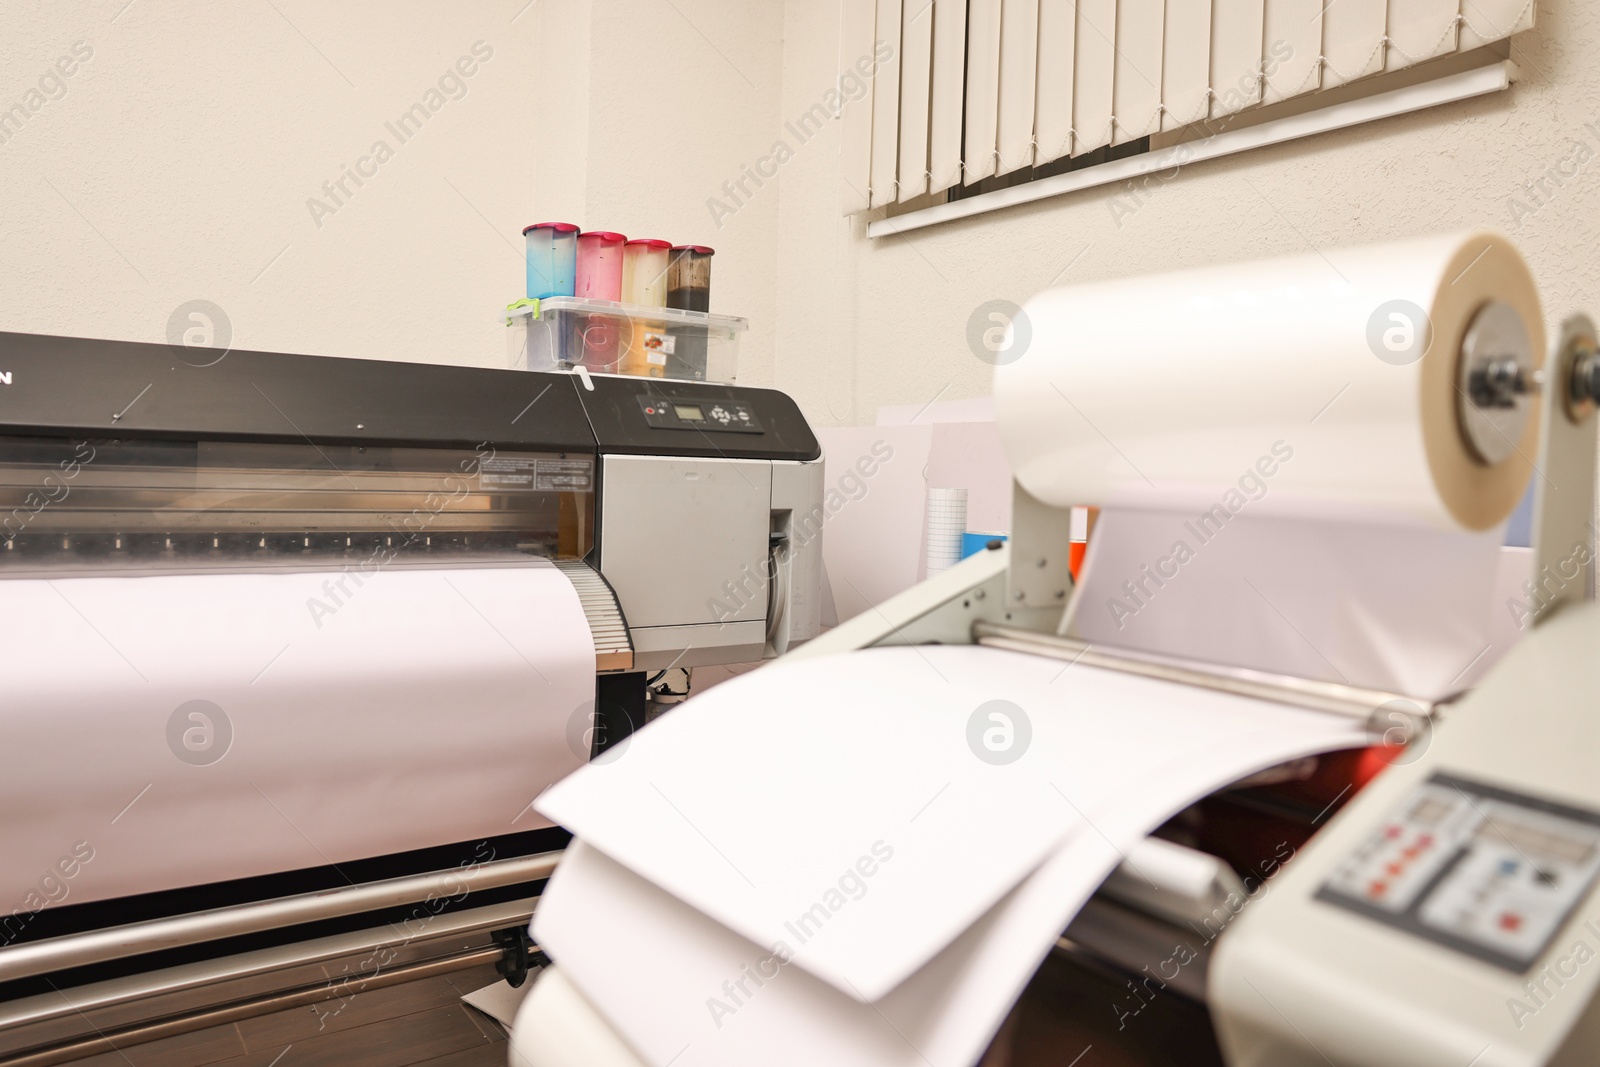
point(706, 529)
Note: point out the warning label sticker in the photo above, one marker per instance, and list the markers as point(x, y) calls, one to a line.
point(573, 474)
point(536, 474)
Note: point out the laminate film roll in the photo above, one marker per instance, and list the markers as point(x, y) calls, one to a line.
point(1162, 391)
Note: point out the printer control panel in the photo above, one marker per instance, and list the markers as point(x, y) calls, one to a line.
point(726, 416)
point(1488, 872)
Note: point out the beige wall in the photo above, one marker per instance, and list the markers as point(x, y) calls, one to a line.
point(179, 161)
point(864, 323)
point(658, 104)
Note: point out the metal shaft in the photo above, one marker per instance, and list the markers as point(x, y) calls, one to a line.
point(116, 1040)
point(95, 946)
point(1334, 697)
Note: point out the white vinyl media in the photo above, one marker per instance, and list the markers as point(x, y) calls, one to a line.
point(1299, 472)
point(857, 962)
point(1393, 607)
point(1215, 365)
point(232, 725)
point(945, 521)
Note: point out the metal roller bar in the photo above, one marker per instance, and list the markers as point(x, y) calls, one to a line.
point(96, 946)
point(116, 1040)
point(190, 984)
point(1334, 697)
point(613, 647)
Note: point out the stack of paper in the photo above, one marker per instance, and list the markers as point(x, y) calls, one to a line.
point(862, 859)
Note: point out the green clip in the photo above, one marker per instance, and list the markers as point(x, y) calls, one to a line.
point(525, 302)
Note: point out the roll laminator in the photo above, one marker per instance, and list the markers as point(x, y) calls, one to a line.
point(1447, 915)
point(140, 459)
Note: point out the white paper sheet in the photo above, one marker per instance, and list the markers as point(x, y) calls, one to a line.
point(501, 1000)
point(1399, 608)
point(656, 967)
point(412, 708)
point(754, 802)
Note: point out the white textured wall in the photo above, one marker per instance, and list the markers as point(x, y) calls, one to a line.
point(866, 323)
point(179, 162)
point(658, 104)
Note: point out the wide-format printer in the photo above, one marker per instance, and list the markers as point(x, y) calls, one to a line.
point(293, 642)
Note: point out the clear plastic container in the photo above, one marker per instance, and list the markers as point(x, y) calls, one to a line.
point(644, 284)
point(644, 273)
point(599, 275)
point(689, 278)
point(563, 333)
point(552, 251)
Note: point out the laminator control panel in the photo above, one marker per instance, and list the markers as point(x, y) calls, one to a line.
point(1487, 872)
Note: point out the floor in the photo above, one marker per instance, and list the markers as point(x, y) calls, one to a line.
point(422, 1023)
point(1069, 1015)
point(1077, 1016)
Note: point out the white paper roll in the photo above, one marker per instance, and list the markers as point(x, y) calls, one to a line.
point(1165, 391)
point(196, 728)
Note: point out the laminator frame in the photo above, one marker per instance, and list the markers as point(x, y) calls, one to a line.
point(1011, 597)
point(1303, 977)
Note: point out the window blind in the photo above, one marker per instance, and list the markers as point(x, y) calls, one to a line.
point(916, 69)
point(1136, 94)
point(1186, 63)
point(857, 27)
point(1236, 55)
point(886, 106)
point(975, 88)
point(983, 90)
point(1093, 75)
point(1052, 107)
point(1019, 51)
point(1292, 34)
point(948, 94)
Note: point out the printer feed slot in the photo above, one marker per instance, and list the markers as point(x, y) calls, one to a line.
point(89, 502)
